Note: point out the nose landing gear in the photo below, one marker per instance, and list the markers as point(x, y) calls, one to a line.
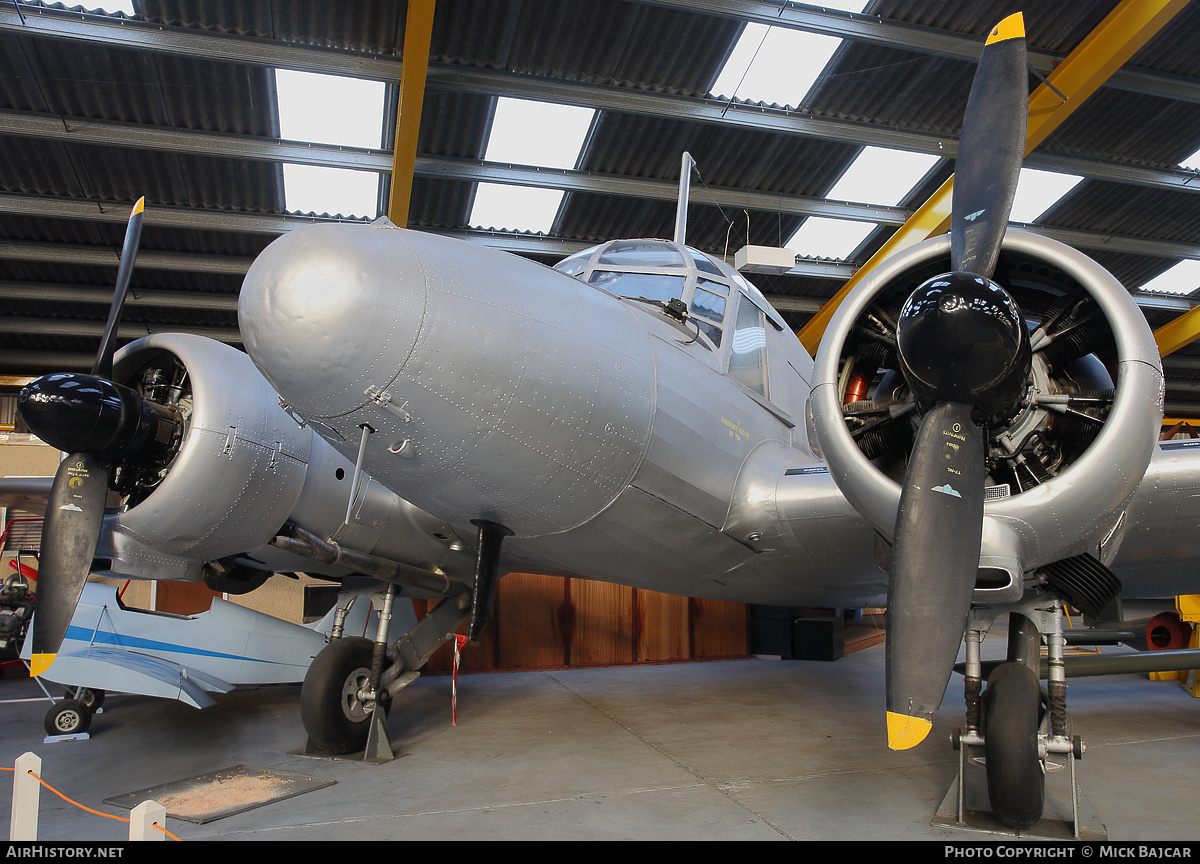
point(1017, 734)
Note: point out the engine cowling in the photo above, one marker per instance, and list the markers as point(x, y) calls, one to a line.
point(1062, 465)
point(242, 468)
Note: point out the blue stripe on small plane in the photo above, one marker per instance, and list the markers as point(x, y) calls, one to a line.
point(82, 634)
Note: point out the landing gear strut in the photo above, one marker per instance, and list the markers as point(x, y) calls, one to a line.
point(352, 677)
point(346, 682)
point(1016, 731)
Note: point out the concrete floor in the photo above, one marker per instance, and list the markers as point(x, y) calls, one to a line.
point(738, 750)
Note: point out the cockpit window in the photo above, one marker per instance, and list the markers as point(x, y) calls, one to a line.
point(706, 264)
point(640, 253)
point(661, 271)
point(708, 311)
point(748, 351)
point(650, 286)
point(575, 264)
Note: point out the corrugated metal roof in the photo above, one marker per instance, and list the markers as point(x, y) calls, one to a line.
point(609, 52)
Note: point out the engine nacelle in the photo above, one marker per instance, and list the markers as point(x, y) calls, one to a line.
point(243, 468)
point(1064, 466)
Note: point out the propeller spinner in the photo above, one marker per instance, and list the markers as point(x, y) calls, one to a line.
point(96, 422)
point(964, 351)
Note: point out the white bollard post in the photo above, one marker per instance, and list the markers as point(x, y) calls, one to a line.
point(26, 796)
point(142, 819)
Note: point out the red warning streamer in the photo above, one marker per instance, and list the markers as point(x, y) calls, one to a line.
point(459, 641)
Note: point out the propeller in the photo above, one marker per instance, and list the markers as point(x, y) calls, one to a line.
point(96, 422)
point(964, 350)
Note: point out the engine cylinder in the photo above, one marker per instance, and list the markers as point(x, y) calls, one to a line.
point(1072, 511)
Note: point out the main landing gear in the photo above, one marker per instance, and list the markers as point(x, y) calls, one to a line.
point(73, 715)
point(1017, 732)
point(350, 685)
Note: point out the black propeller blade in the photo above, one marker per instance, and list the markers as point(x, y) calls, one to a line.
point(95, 422)
point(964, 350)
point(74, 514)
point(103, 365)
point(990, 151)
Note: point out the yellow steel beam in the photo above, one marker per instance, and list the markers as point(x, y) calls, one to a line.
point(1126, 29)
point(418, 29)
point(1175, 334)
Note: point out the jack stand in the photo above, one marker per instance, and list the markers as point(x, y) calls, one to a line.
point(966, 806)
point(379, 746)
point(378, 750)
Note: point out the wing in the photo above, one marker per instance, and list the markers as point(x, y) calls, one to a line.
point(1159, 542)
point(25, 493)
point(119, 671)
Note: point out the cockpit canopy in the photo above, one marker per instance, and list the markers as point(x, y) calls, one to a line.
point(660, 270)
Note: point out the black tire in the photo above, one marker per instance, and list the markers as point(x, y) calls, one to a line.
point(68, 717)
point(91, 699)
point(1016, 780)
point(336, 721)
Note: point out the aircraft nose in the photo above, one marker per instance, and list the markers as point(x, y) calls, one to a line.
point(330, 311)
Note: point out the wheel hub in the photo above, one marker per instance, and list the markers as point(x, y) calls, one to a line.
point(353, 705)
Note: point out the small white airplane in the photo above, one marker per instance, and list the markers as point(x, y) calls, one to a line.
point(112, 648)
point(976, 436)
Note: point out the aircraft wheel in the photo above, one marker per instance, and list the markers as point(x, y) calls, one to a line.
point(335, 718)
point(91, 699)
point(1015, 777)
point(69, 717)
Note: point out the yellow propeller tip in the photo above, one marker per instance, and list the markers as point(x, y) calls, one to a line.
point(139, 206)
point(905, 732)
point(39, 663)
point(1012, 27)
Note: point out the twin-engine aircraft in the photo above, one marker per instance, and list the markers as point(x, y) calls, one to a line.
point(975, 436)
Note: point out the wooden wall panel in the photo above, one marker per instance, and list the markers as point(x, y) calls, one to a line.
point(719, 629)
point(472, 659)
point(545, 622)
point(183, 598)
point(530, 621)
point(662, 626)
point(602, 623)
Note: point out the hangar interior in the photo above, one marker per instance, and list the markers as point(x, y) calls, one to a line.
point(215, 111)
point(179, 102)
point(192, 105)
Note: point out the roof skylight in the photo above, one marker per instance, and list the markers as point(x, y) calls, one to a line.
point(110, 7)
point(881, 175)
point(778, 64)
point(517, 208)
point(774, 64)
point(1038, 191)
point(1183, 278)
point(339, 191)
point(545, 134)
point(330, 109)
point(559, 138)
point(1191, 162)
point(820, 237)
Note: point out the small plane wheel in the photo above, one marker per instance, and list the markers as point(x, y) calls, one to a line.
point(68, 717)
point(1015, 777)
point(335, 718)
point(91, 699)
